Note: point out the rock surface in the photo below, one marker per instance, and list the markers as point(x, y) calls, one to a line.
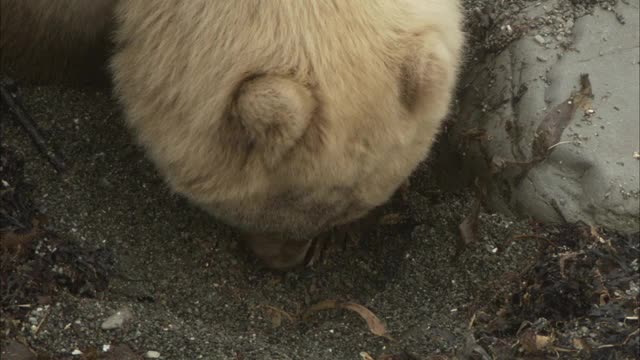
point(543, 149)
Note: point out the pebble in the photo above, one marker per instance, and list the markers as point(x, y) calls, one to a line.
point(570, 24)
point(540, 40)
point(152, 354)
point(116, 320)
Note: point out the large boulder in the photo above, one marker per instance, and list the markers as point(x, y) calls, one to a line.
point(550, 124)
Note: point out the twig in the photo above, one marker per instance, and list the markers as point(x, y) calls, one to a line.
point(531, 236)
point(10, 98)
point(44, 319)
point(560, 143)
point(472, 321)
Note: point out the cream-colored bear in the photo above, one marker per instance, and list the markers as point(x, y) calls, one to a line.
point(282, 118)
point(285, 118)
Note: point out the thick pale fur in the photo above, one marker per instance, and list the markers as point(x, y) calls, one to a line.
point(285, 118)
point(61, 40)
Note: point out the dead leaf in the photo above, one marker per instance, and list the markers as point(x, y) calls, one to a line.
point(595, 234)
point(365, 356)
point(542, 341)
point(375, 325)
point(552, 127)
point(373, 322)
point(534, 343)
point(581, 345)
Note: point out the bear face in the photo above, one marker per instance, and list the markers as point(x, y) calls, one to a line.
point(284, 119)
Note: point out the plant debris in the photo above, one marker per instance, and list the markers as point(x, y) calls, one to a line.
point(375, 325)
point(580, 299)
point(10, 98)
point(373, 322)
point(552, 127)
point(36, 263)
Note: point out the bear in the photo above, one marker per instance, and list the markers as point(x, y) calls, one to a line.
point(286, 118)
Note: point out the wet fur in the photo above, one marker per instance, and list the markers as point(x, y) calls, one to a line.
point(285, 118)
point(56, 40)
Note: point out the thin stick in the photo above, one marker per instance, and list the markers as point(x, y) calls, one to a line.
point(14, 105)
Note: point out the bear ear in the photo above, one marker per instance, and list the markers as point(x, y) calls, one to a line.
point(425, 72)
point(275, 112)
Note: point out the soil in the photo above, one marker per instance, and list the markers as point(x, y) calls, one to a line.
point(108, 239)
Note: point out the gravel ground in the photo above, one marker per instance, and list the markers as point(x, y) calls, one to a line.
point(195, 292)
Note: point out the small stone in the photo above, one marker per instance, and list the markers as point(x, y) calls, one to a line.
point(116, 320)
point(569, 24)
point(76, 352)
point(507, 28)
point(540, 40)
point(152, 354)
point(541, 58)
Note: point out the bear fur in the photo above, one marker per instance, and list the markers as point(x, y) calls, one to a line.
point(286, 118)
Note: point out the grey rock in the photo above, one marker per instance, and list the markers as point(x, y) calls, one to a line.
point(589, 173)
point(152, 354)
point(117, 320)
